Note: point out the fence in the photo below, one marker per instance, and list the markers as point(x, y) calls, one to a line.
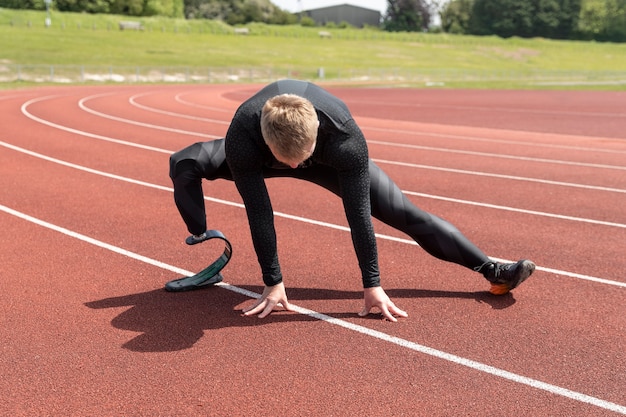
point(72, 74)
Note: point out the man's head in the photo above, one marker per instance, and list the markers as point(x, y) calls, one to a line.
point(289, 126)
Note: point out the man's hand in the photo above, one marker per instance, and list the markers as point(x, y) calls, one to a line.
point(270, 299)
point(376, 297)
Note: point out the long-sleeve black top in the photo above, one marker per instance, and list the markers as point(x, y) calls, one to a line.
point(340, 147)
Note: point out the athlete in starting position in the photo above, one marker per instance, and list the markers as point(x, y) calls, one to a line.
point(296, 129)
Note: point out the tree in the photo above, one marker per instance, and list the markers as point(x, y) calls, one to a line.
point(89, 6)
point(592, 20)
point(407, 15)
point(530, 18)
point(615, 29)
point(128, 7)
point(456, 15)
point(281, 17)
point(546, 17)
point(238, 11)
point(556, 19)
point(603, 20)
point(169, 8)
point(23, 4)
point(568, 22)
point(504, 18)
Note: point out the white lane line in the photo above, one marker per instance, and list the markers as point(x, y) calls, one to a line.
point(494, 155)
point(81, 132)
point(81, 104)
point(497, 109)
point(507, 142)
point(365, 127)
point(516, 210)
point(133, 101)
point(179, 99)
point(458, 171)
point(186, 132)
point(407, 344)
point(501, 176)
point(287, 216)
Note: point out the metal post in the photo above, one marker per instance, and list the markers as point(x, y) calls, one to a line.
point(48, 20)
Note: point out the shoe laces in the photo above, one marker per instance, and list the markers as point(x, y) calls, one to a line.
point(493, 270)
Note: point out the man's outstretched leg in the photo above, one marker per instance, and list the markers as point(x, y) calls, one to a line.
point(438, 237)
point(435, 235)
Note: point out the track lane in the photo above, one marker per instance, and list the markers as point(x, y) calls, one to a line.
point(405, 367)
point(429, 303)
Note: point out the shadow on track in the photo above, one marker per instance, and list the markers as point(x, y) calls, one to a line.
point(176, 321)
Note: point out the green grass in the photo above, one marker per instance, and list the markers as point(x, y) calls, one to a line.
point(95, 40)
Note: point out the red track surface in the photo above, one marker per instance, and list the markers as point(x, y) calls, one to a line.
point(87, 329)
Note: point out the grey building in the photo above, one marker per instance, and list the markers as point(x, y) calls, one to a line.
point(355, 15)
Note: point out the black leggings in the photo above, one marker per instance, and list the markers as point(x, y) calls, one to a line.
point(436, 236)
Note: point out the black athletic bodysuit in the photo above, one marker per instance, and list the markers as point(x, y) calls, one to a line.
point(340, 163)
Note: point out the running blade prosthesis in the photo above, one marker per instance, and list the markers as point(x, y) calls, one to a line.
point(208, 276)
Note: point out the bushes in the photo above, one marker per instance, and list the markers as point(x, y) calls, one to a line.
point(602, 20)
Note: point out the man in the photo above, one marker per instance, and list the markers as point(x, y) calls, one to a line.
point(296, 129)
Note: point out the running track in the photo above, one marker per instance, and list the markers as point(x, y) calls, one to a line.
point(90, 235)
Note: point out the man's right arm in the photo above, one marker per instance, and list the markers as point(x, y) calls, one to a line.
point(245, 161)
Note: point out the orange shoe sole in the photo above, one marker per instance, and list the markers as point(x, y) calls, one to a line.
point(499, 289)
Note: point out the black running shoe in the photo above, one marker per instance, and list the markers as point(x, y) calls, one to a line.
point(505, 277)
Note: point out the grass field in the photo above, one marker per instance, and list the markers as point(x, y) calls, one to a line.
point(92, 41)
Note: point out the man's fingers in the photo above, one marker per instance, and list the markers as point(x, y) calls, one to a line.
point(388, 311)
point(265, 307)
point(273, 298)
point(397, 312)
point(367, 308)
point(387, 315)
point(251, 306)
point(254, 308)
point(286, 305)
point(269, 306)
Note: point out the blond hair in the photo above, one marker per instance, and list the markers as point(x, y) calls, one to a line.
point(289, 125)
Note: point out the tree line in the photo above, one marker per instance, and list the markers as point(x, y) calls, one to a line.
point(600, 20)
point(230, 11)
point(169, 8)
